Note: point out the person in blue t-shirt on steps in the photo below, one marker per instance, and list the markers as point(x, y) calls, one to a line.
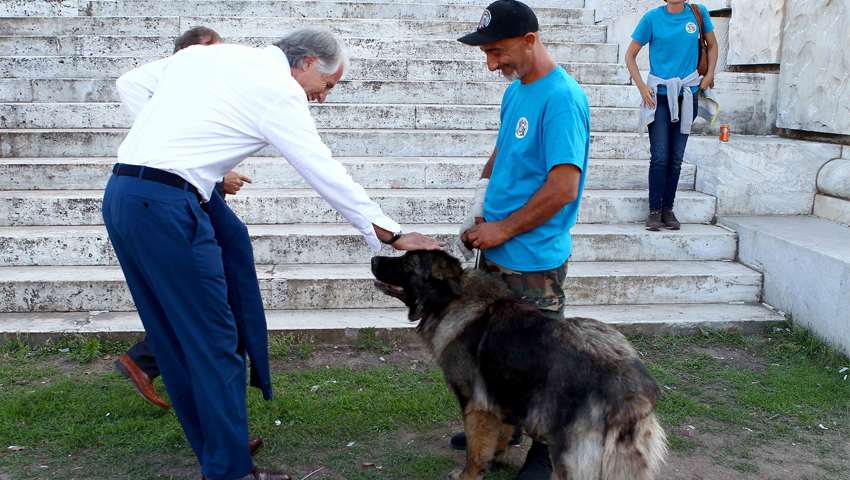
point(672, 32)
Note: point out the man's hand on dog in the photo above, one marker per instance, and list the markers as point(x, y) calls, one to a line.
point(234, 181)
point(486, 234)
point(417, 241)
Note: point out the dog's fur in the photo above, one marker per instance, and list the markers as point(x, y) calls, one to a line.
point(576, 383)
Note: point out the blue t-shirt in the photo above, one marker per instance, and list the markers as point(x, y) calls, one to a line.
point(544, 124)
point(673, 41)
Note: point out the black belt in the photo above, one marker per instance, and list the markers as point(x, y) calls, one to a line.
point(155, 175)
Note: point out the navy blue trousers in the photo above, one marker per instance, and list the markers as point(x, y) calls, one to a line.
point(142, 355)
point(667, 150)
point(173, 265)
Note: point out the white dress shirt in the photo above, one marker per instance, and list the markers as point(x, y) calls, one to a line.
point(203, 110)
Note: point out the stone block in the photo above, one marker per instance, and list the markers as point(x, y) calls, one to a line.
point(747, 104)
point(834, 179)
point(617, 8)
point(806, 269)
point(40, 8)
point(272, 172)
point(759, 175)
point(320, 244)
point(289, 206)
point(814, 81)
point(310, 287)
point(755, 31)
point(832, 208)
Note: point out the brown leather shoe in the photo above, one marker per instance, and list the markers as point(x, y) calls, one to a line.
point(143, 383)
point(255, 444)
point(258, 474)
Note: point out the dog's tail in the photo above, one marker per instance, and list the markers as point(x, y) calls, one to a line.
point(635, 451)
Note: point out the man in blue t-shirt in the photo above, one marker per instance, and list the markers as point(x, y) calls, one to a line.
point(528, 196)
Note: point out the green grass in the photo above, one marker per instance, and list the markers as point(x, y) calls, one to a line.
point(782, 385)
point(370, 340)
point(286, 345)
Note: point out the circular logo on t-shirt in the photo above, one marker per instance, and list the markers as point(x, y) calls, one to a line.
point(485, 19)
point(521, 127)
point(691, 27)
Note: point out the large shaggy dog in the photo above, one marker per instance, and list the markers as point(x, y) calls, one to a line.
point(575, 383)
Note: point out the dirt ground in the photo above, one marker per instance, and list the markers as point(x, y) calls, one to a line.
point(722, 453)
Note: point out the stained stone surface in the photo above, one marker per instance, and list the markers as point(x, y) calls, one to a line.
point(759, 175)
point(618, 8)
point(834, 178)
point(814, 80)
point(755, 32)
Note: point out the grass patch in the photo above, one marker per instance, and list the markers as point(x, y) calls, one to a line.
point(287, 345)
point(86, 422)
point(371, 340)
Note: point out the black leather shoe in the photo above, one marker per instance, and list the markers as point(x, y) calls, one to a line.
point(458, 442)
point(538, 463)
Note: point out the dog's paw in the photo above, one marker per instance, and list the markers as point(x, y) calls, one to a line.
point(456, 475)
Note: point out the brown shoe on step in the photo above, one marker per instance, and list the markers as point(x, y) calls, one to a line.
point(141, 380)
point(255, 444)
point(258, 474)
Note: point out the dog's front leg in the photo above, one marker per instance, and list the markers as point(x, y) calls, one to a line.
point(483, 430)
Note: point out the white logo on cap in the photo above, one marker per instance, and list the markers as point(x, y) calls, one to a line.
point(691, 27)
point(521, 127)
point(485, 19)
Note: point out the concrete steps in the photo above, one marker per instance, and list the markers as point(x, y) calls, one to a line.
point(488, 91)
point(288, 286)
point(371, 172)
point(163, 45)
point(341, 244)
point(472, 68)
point(339, 115)
point(268, 26)
point(568, 11)
point(415, 117)
point(409, 9)
point(353, 142)
point(285, 206)
point(341, 326)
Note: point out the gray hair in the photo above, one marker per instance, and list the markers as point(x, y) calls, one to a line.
point(313, 43)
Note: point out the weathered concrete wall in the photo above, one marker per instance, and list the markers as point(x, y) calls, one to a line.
point(618, 8)
point(814, 79)
point(755, 32)
point(759, 175)
point(806, 269)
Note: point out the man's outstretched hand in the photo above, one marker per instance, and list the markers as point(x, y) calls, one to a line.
point(417, 241)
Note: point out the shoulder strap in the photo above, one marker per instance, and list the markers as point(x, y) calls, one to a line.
point(698, 15)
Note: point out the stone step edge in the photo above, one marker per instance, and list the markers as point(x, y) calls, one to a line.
point(210, 18)
point(345, 326)
point(324, 105)
point(309, 192)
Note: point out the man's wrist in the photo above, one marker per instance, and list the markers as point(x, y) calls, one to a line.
point(393, 239)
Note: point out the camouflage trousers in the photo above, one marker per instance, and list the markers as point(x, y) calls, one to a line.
point(545, 289)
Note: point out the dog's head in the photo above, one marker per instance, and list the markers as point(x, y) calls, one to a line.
point(425, 280)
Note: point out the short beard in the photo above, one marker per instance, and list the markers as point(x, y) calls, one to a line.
point(510, 77)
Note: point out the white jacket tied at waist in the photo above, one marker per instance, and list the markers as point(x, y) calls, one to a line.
point(707, 104)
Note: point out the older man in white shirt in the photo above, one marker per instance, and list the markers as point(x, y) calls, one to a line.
point(199, 113)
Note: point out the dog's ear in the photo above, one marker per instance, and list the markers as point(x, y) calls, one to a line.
point(448, 269)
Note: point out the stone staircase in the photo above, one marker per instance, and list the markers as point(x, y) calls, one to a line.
point(413, 121)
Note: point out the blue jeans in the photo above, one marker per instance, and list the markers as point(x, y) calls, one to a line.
point(667, 149)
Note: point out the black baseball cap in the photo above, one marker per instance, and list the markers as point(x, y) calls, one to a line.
point(502, 19)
